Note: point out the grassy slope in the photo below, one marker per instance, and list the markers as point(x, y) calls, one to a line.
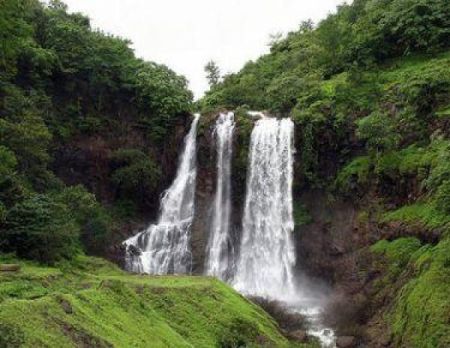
point(92, 303)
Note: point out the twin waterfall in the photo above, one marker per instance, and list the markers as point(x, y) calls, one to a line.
point(264, 266)
point(164, 248)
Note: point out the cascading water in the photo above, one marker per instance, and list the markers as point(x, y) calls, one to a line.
point(164, 248)
point(219, 258)
point(267, 255)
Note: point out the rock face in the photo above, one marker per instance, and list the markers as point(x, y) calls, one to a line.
point(204, 193)
point(206, 187)
point(346, 342)
point(323, 246)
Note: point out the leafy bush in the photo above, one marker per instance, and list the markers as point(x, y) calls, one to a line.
point(90, 216)
point(135, 173)
point(354, 175)
point(240, 334)
point(41, 229)
point(442, 199)
point(378, 130)
point(11, 336)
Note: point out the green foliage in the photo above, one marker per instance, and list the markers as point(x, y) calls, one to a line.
point(378, 131)
point(136, 174)
point(63, 83)
point(420, 315)
point(424, 213)
point(239, 334)
point(358, 35)
point(301, 215)
point(212, 73)
point(397, 252)
point(442, 199)
point(10, 336)
point(161, 90)
point(41, 229)
point(92, 218)
point(8, 162)
point(355, 175)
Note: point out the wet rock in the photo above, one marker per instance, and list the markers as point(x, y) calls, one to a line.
point(346, 342)
point(299, 336)
point(385, 341)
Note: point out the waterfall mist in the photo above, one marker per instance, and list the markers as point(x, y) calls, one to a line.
point(220, 250)
point(164, 247)
point(267, 255)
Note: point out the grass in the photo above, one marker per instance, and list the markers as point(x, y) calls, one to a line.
point(423, 213)
point(90, 302)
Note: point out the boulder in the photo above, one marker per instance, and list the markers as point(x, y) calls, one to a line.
point(346, 342)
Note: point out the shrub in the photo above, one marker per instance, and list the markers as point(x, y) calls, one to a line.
point(442, 200)
point(354, 175)
point(240, 334)
point(378, 130)
point(11, 336)
point(93, 219)
point(136, 173)
point(41, 229)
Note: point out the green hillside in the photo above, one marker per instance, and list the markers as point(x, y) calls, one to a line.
point(91, 303)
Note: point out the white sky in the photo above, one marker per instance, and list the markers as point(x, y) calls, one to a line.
point(186, 34)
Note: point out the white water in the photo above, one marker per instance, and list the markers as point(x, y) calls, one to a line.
point(164, 247)
point(267, 255)
point(220, 251)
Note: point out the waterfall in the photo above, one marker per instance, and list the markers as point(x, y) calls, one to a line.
point(164, 247)
point(267, 255)
point(219, 255)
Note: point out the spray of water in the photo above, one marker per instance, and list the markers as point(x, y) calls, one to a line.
point(220, 251)
point(164, 247)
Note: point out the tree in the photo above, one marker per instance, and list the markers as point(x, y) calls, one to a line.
point(41, 229)
point(212, 73)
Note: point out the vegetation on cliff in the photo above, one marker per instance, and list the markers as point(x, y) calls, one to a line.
point(76, 107)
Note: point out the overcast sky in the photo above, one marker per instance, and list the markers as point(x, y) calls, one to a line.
point(186, 34)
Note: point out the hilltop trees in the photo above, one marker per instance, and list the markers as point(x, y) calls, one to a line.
point(212, 73)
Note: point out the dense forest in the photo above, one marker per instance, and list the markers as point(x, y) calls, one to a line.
point(89, 136)
point(77, 107)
